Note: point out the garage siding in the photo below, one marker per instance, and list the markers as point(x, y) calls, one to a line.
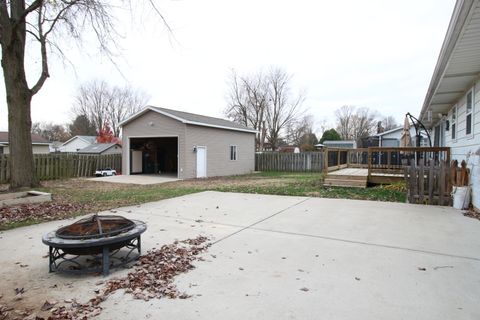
point(218, 142)
point(152, 124)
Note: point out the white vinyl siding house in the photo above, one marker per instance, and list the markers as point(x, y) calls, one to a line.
point(77, 143)
point(39, 144)
point(391, 138)
point(458, 138)
point(452, 103)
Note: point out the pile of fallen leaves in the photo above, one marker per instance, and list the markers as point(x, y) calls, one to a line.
point(472, 213)
point(42, 211)
point(154, 273)
point(152, 277)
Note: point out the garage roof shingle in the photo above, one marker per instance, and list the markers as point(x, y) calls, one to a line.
point(194, 119)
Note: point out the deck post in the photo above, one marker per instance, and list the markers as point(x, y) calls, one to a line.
point(369, 161)
point(325, 160)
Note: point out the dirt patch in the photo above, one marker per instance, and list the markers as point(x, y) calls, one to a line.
point(230, 182)
point(82, 184)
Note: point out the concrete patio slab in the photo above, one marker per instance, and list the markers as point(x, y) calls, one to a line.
point(277, 257)
point(141, 179)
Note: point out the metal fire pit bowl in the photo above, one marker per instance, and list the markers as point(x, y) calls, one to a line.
point(94, 244)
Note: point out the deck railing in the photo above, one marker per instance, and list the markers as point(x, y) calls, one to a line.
point(383, 160)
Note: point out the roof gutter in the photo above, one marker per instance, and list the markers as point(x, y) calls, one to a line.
point(457, 22)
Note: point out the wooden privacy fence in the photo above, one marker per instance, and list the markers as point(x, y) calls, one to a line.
point(292, 162)
point(428, 183)
point(59, 166)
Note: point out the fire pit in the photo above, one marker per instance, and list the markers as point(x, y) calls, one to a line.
point(100, 237)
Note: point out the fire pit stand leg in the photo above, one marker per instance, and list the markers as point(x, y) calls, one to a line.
point(105, 260)
point(50, 259)
point(139, 245)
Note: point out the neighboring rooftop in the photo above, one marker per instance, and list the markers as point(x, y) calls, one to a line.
point(388, 131)
point(98, 147)
point(193, 119)
point(36, 139)
point(88, 139)
point(339, 141)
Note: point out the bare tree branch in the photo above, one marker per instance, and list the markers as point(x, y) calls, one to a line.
point(266, 103)
point(102, 103)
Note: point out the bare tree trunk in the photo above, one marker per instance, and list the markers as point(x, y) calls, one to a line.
point(19, 97)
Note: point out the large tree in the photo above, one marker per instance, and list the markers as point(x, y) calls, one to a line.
point(247, 103)
point(301, 131)
point(33, 28)
point(101, 102)
point(265, 102)
point(330, 134)
point(389, 123)
point(51, 131)
point(81, 126)
point(355, 123)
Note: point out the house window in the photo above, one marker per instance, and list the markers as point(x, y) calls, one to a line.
point(469, 113)
point(454, 123)
point(233, 152)
point(436, 136)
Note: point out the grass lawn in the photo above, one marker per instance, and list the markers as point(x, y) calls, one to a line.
point(79, 196)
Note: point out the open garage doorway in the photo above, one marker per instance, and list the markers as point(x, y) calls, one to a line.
point(154, 155)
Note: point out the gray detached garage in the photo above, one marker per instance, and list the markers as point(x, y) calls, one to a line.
point(185, 145)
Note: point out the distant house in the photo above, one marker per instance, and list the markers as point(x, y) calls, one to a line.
point(343, 144)
point(55, 146)
point(39, 144)
point(391, 138)
point(77, 143)
point(289, 149)
point(102, 148)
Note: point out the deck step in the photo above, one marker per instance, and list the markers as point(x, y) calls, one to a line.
point(354, 183)
point(345, 177)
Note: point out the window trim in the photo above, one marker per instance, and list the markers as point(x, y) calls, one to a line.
point(233, 147)
point(453, 125)
point(471, 113)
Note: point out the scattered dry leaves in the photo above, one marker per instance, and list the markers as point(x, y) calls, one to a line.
point(472, 213)
point(152, 277)
point(43, 211)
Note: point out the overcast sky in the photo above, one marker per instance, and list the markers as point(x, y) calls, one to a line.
point(378, 54)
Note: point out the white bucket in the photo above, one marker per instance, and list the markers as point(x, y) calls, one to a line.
point(475, 181)
point(461, 197)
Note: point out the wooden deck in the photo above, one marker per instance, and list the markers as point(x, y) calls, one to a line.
point(348, 177)
point(359, 178)
point(360, 167)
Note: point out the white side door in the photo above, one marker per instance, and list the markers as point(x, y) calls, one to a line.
point(201, 162)
point(137, 159)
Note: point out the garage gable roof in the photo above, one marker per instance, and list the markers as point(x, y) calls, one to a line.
point(193, 119)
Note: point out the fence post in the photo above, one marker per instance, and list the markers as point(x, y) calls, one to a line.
point(421, 183)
